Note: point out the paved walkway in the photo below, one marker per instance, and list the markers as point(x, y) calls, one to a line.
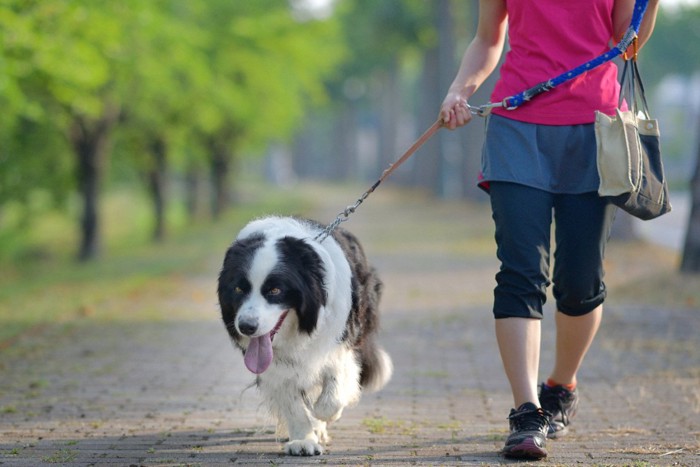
point(174, 392)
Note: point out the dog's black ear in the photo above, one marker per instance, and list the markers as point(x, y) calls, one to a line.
point(302, 261)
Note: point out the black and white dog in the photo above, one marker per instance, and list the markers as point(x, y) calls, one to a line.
point(305, 314)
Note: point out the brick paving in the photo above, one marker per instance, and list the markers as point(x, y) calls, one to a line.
point(175, 392)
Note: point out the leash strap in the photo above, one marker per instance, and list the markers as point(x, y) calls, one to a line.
point(513, 102)
point(345, 214)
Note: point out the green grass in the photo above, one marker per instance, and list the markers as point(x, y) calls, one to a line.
point(61, 456)
point(42, 284)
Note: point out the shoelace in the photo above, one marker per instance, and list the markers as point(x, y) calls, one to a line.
point(529, 420)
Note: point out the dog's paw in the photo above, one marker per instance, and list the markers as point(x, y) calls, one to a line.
point(303, 447)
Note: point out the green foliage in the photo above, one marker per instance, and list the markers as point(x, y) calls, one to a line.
point(58, 59)
point(673, 48)
point(207, 65)
point(177, 72)
point(381, 32)
point(266, 67)
point(380, 35)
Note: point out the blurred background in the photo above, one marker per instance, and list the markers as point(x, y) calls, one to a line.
point(127, 123)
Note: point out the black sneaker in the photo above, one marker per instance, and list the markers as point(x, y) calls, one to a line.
point(528, 433)
point(562, 405)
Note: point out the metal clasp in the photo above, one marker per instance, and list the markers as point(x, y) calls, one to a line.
point(483, 110)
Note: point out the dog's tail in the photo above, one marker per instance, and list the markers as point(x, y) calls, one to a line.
point(377, 369)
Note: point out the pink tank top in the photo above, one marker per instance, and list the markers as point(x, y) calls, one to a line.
point(547, 38)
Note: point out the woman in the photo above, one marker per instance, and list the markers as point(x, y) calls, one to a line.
point(538, 164)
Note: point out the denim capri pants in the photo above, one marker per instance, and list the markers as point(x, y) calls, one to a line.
point(523, 213)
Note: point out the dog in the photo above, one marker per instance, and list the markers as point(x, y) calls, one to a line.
point(304, 312)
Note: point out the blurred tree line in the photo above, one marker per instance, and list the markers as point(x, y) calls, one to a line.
point(169, 89)
point(165, 87)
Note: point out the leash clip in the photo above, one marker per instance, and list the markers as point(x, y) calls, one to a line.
point(484, 110)
point(481, 110)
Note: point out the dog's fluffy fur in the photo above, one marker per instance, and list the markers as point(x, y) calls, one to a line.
point(305, 315)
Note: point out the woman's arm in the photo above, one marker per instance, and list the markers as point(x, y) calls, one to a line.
point(478, 62)
point(622, 16)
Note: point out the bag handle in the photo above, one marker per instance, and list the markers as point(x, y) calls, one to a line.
point(631, 83)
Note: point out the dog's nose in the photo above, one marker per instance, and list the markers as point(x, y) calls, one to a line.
point(248, 328)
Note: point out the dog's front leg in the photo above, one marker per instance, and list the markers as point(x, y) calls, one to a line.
point(305, 432)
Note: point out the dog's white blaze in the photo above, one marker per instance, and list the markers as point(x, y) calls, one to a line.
point(263, 263)
point(255, 305)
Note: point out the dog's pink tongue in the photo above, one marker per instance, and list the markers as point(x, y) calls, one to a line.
point(258, 356)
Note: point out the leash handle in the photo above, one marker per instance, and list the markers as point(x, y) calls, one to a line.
point(345, 213)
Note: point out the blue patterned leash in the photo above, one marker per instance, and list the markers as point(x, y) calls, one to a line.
point(513, 102)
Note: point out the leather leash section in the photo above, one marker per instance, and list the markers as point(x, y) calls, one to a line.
point(409, 152)
point(343, 215)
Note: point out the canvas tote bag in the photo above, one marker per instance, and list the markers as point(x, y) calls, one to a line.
point(629, 154)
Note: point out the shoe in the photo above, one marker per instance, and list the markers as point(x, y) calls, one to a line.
point(528, 433)
point(562, 404)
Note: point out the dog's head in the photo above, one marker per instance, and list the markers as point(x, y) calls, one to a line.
point(262, 280)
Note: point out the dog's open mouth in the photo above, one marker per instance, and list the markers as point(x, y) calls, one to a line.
point(258, 355)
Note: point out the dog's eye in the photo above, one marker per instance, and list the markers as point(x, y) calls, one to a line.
point(274, 291)
point(237, 290)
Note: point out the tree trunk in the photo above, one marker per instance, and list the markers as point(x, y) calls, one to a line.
point(451, 178)
point(425, 173)
point(389, 117)
point(156, 184)
point(220, 167)
point(453, 158)
point(192, 189)
point(90, 141)
point(690, 262)
point(345, 132)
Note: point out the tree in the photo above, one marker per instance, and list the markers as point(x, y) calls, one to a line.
point(690, 262)
point(450, 157)
point(368, 93)
point(68, 53)
point(26, 131)
point(267, 66)
point(169, 82)
point(168, 73)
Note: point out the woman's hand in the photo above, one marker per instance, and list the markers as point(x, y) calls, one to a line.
point(454, 111)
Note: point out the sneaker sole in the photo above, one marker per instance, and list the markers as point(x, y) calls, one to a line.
point(526, 450)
